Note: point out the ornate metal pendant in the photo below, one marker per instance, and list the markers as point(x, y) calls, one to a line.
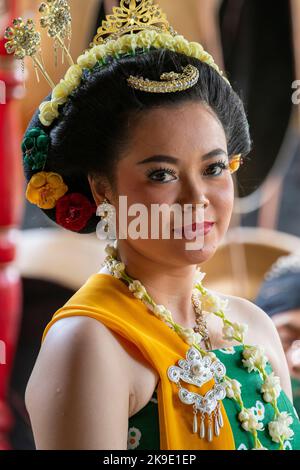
point(197, 370)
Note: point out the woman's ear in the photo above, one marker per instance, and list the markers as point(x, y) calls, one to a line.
point(98, 188)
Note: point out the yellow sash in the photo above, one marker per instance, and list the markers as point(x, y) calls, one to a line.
point(109, 300)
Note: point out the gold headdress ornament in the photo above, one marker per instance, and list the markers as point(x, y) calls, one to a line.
point(172, 81)
point(132, 15)
point(135, 24)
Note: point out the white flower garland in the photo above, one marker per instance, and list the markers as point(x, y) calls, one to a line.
point(254, 358)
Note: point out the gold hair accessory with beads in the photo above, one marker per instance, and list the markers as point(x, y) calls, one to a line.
point(25, 41)
point(172, 81)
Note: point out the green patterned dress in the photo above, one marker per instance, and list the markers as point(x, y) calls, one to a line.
point(143, 427)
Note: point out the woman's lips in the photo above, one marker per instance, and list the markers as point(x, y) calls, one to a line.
point(196, 229)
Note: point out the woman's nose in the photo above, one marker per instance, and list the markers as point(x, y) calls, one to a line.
point(192, 195)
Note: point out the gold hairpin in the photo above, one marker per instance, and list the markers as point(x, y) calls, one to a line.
point(172, 81)
point(25, 41)
point(57, 19)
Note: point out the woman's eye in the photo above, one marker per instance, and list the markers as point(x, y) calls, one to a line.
point(162, 175)
point(165, 175)
point(221, 166)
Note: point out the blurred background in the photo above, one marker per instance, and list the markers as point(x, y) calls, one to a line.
point(257, 43)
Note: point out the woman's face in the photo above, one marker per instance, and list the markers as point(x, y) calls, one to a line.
point(288, 327)
point(190, 166)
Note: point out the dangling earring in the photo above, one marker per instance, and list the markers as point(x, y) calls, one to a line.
point(106, 228)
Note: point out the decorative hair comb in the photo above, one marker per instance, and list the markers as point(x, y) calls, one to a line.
point(172, 81)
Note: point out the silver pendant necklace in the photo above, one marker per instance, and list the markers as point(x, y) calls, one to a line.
point(197, 370)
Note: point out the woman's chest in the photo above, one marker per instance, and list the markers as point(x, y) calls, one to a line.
point(144, 378)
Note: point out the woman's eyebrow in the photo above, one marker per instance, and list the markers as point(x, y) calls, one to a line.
point(175, 161)
point(290, 327)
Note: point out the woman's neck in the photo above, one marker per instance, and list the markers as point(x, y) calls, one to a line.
point(167, 285)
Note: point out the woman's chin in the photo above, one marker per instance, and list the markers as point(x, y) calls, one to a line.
point(200, 256)
point(194, 252)
point(178, 251)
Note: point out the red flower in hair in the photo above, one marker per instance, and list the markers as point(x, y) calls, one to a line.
point(73, 211)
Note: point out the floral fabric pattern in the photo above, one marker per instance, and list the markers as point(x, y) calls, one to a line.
point(147, 419)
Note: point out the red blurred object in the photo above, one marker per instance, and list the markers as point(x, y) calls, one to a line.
point(11, 208)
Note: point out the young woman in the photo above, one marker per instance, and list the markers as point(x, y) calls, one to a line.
point(109, 375)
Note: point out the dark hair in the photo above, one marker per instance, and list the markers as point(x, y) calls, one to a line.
point(92, 128)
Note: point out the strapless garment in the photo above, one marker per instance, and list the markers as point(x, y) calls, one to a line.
point(143, 427)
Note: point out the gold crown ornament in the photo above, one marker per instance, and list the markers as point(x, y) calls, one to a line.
point(132, 16)
point(135, 24)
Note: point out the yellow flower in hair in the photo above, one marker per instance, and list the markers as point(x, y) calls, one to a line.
point(195, 50)
point(235, 163)
point(110, 48)
point(48, 112)
point(73, 76)
point(115, 48)
point(99, 51)
point(61, 92)
point(127, 43)
point(146, 38)
point(207, 58)
point(158, 42)
point(182, 45)
point(45, 188)
point(87, 60)
point(165, 40)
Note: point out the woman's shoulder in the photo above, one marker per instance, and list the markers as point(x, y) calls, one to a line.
point(261, 328)
point(75, 328)
point(261, 332)
point(244, 309)
point(78, 332)
point(85, 335)
point(77, 341)
point(76, 375)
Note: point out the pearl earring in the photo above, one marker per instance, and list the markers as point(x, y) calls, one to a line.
point(107, 225)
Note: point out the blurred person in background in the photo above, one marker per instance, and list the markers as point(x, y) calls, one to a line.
point(279, 297)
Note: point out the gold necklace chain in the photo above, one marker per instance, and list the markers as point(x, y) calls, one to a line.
point(201, 325)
